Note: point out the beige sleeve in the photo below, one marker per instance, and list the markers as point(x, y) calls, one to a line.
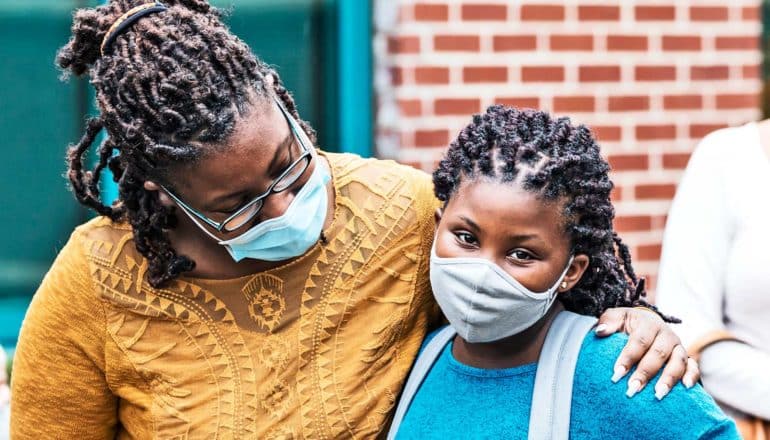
point(58, 385)
point(427, 204)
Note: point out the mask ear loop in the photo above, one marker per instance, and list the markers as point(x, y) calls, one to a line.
point(555, 288)
point(566, 269)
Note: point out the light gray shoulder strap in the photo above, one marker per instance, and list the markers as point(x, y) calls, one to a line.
point(420, 369)
point(552, 398)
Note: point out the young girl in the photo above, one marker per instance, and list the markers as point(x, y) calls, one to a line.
point(527, 219)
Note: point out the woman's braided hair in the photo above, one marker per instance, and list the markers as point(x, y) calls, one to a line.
point(558, 161)
point(171, 78)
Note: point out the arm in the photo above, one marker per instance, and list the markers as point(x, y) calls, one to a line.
point(59, 389)
point(696, 243)
point(736, 373)
point(691, 272)
point(692, 278)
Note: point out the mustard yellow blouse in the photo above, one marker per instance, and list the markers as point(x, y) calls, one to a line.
point(318, 348)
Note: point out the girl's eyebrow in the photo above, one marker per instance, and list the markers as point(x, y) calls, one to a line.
point(522, 237)
point(470, 223)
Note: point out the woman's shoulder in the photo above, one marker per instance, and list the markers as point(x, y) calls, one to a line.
point(108, 244)
point(70, 291)
point(105, 248)
point(99, 239)
point(103, 230)
point(727, 144)
point(370, 170)
point(399, 184)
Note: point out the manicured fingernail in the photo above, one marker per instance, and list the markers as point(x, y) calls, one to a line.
point(618, 373)
point(633, 387)
point(688, 383)
point(661, 390)
point(601, 328)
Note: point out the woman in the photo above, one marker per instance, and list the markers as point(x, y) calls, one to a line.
point(524, 242)
point(715, 256)
point(245, 284)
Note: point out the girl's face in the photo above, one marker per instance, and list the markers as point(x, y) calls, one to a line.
point(512, 228)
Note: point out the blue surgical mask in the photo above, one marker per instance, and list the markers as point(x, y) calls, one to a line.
point(291, 234)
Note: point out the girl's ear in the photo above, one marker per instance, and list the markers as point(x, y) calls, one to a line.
point(437, 215)
point(165, 200)
point(574, 273)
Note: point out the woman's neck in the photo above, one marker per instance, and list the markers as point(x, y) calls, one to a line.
point(519, 349)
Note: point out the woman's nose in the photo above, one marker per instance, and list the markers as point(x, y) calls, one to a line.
point(276, 204)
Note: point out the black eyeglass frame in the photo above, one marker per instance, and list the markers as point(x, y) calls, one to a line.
point(305, 157)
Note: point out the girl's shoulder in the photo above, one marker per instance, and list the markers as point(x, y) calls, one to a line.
point(683, 413)
point(68, 301)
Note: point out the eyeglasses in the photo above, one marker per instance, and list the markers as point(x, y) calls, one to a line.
point(287, 178)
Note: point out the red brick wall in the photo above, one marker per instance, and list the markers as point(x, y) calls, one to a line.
point(650, 77)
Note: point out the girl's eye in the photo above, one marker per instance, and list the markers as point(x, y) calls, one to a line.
point(466, 238)
point(521, 255)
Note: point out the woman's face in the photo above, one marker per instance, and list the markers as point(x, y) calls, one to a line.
point(512, 228)
point(261, 147)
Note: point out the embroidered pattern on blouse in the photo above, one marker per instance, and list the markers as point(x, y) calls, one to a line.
point(332, 372)
point(264, 294)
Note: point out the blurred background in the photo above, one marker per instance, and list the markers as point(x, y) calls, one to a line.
point(398, 79)
point(650, 77)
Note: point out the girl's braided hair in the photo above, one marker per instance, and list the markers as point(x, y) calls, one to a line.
point(558, 161)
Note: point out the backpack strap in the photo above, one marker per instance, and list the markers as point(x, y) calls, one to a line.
point(549, 416)
point(421, 367)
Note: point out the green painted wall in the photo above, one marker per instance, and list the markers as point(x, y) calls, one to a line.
point(39, 116)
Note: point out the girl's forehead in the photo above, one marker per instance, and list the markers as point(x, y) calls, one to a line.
point(500, 204)
point(493, 193)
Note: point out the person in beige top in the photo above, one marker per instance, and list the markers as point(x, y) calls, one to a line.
point(246, 284)
point(714, 267)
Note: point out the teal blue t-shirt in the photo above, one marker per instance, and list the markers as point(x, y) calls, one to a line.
point(459, 401)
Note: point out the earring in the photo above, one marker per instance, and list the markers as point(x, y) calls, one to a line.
point(563, 284)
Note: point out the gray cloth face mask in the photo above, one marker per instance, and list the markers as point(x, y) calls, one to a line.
point(483, 302)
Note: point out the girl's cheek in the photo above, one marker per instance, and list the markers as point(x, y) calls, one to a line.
point(532, 277)
point(445, 245)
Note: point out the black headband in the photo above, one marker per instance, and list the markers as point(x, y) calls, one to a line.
point(126, 20)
